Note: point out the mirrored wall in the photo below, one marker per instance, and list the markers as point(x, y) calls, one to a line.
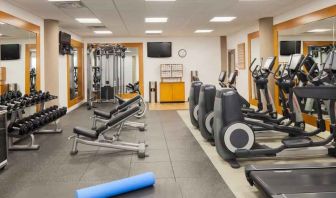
point(314, 40)
point(18, 59)
point(75, 73)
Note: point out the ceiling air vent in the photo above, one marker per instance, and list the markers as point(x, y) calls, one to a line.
point(69, 4)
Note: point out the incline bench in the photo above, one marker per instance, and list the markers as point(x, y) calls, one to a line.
point(99, 138)
point(104, 117)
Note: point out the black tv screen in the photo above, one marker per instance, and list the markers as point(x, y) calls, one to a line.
point(290, 47)
point(64, 38)
point(10, 52)
point(159, 49)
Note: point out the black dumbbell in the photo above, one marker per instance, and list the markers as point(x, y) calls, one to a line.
point(21, 128)
point(36, 122)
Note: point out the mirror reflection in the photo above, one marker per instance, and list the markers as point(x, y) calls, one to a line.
point(18, 59)
point(73, 74)
point(314, 41)
point(255, 55)
point(131, 70)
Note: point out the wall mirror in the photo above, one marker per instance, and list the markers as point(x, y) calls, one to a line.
point(313, 37)
point(114, 69)
point(19, 58)
point(131, 71)
point(253, 53)
point(75, 73)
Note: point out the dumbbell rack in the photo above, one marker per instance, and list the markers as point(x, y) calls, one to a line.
point(14, 139)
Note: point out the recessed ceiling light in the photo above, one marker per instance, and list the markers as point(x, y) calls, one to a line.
point(222, 19)
point(62, 0)
point(153, 31)
point(203, 31)
point(88, 20)
point(160, 0)
point(156, 20)
point(319, 30)
point(102, 32)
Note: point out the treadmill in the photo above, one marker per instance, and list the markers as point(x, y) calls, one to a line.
point(301, 180)
point(294, 180)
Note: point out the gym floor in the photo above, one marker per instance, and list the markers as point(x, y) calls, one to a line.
point(235, 178)
point(181, 166)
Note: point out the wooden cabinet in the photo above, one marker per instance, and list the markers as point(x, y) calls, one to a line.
point(172, 92)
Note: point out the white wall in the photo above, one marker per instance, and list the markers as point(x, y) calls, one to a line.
point(232, 42)
point(203, 55)
point(15, 69)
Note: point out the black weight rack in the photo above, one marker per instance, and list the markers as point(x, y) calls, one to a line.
point(15, 114)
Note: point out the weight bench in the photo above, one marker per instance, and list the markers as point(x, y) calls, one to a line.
point(99, 138)
point(104, 117)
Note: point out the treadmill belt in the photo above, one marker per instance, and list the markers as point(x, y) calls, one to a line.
point(293, 182)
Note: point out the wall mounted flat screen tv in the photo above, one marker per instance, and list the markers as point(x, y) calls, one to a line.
point(10, 52)
point(290, 47)
point(159, 49)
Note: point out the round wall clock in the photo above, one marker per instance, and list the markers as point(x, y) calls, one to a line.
point(182, 53)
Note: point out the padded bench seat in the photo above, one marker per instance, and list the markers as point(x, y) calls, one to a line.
point(122, 107)
point(104, 114)
point(116, 120)
point(86, 132)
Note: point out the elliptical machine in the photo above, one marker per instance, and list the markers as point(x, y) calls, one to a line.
point(193, 102)
point(235, 139)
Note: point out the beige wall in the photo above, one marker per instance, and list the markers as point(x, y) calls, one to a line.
point(224, 53)
point(51, 57)
point(266, 43)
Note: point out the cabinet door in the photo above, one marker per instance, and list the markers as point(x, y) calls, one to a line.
point(166, 92)
point(178, 92)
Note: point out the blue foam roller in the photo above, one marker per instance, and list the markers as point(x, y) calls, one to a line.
point(117, 187)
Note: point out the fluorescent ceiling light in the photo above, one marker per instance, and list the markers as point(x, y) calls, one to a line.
point(160, 0)
point(222, 19)
point(156, 20)
point(88, 20)
point(153, 31)
point(62, 0)
point(319, 30)
point(102, 32)
point(203, 31)
point(2, 23)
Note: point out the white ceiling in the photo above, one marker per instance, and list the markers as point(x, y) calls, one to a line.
point(126, 17)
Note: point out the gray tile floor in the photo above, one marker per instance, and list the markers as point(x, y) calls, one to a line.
point(180, 165)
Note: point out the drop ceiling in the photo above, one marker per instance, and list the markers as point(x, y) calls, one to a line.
point(125, 18)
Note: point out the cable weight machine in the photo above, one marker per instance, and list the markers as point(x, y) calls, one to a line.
point(106, 73)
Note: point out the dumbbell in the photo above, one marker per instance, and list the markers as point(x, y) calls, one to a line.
point(51, 113)
point(36, 122)
point(63, 111)
point(9, 106)
point(33, 99)
point(21, 128)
